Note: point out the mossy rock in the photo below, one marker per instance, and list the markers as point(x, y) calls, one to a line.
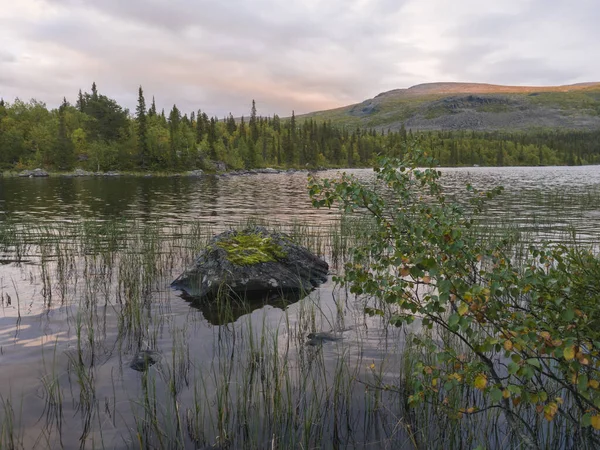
point(252, 248)
point(251, 263)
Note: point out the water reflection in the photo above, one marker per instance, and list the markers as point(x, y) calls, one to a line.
point(229, 309)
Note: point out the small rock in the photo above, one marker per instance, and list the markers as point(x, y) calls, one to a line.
point(195, 173)
point(80, 173)
point(144, 359)
point(320, 338)
point(220, 166)
point(268, 170)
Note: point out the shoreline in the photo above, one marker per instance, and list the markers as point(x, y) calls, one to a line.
point(40, 173)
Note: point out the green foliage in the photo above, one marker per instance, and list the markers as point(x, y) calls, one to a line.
point(522, 334)
point(245, 249)
point(104, 134)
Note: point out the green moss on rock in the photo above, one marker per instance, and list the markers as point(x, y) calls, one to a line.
point(249, 249)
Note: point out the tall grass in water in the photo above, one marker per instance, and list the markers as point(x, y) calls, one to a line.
point(254, 382)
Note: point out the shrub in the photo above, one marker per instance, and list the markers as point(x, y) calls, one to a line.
point(522, 335)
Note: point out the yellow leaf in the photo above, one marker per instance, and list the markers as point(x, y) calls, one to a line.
point(508, 345)
point(594, 384)
point(550, 411)
point(455, 376)
point(596, 422)
point(372, 366)
point(462, 309)
point(480, 382)
point(518, 346)
point(426, 279)
point(505, 393)
point(569, 353)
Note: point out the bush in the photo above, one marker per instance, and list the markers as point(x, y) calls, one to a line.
point(522, 335)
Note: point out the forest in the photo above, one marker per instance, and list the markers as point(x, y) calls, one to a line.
point(98, 134)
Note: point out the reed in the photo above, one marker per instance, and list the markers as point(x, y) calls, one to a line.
point(255, 381)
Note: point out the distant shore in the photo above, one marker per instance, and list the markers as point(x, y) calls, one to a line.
point(79, 173)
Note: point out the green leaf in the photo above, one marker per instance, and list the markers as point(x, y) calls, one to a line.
point(453, 320)
point(534, 362)
point(496, 394)
point(513, 389)
point(568, 315)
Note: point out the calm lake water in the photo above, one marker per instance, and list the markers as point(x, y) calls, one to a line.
point(67, 336)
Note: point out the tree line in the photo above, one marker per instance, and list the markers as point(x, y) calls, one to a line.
point(99, 134)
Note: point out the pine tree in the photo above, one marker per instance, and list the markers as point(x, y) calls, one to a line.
point(253, 123)
point(80, 102)
point(174, 120)
point(231, 125)
point(200, 126)
point(212, 139)
point(152, 110)
point(142, 129)
point(94, 91)
point(64, 152)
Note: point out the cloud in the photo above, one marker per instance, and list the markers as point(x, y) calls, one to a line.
point(303, 56)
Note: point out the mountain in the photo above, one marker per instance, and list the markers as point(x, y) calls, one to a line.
point(474, 106)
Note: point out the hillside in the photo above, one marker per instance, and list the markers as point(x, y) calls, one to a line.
point(474, 106)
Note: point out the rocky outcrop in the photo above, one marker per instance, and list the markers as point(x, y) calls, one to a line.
point(251, 263)
point(36, 173)
point(80, 173)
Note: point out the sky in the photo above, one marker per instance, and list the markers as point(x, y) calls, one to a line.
point(301, 55)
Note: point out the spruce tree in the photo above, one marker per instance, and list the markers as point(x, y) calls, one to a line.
point(174, 120)
point(200, 126)
point(64, 152)
point(80, 102)
point(212, 138)
point(152, 110)
point(253, 123)
point(142, 129)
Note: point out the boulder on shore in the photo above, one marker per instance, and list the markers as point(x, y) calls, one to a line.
point(249, 264)
point(36, 173)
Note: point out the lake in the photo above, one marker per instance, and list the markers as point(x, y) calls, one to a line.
point(85, 267)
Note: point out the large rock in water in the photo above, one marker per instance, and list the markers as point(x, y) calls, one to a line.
point(252, 263)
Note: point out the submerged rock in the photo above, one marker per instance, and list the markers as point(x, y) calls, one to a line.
point(144, 359)
point(320, 338)
point(36, 173)
point(251, 263)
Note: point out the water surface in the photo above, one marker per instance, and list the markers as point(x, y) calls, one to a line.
point(68, 330)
